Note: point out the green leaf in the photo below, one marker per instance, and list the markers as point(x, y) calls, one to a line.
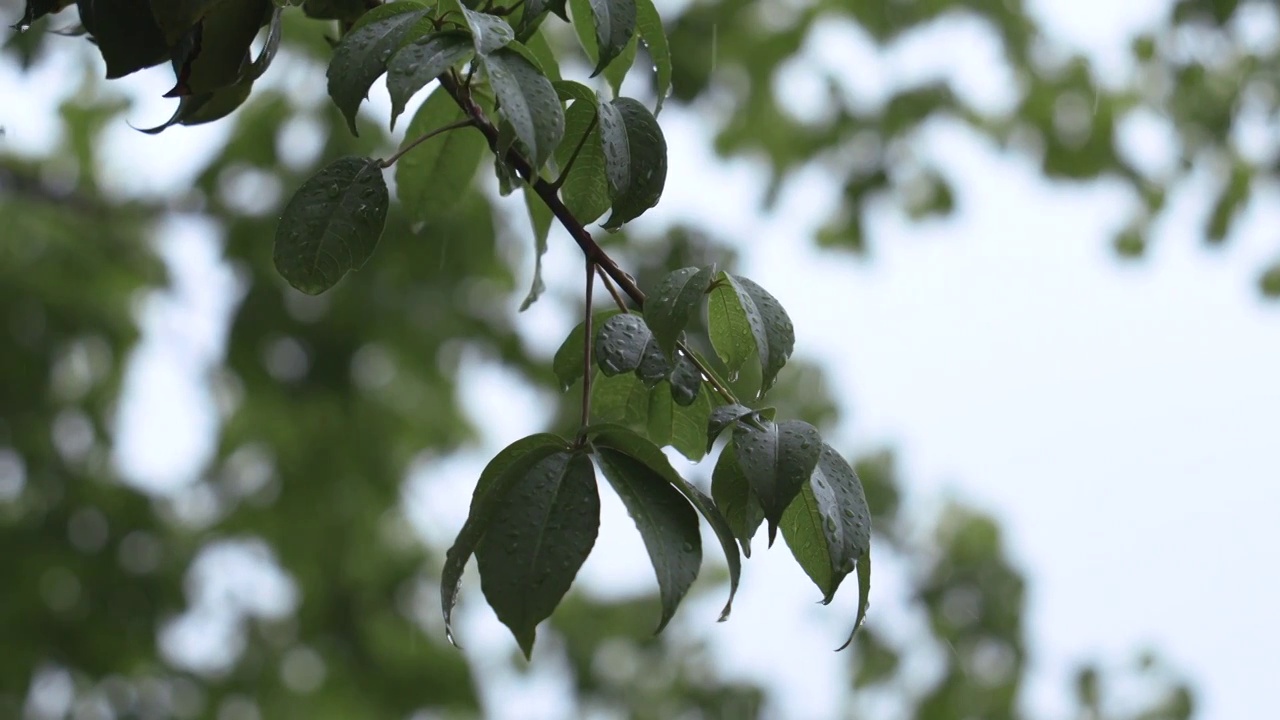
point(433, 178)
point(361, 57)
point(347, 10)
point(567, 363)
point(616, 72)
point(528, 102)
point(489, 32)
point(620, 343)
point(680, 426)
point(779, 332)
point(635, 447)
point(635, 156)
point(828, 526)
point(777, 459)
point(621, 399)
point(126, 34)
point(332, 224)
point(504, 471)
point(734, 324)
point(420, 62)
point(673, 303)
point(540, 216)
point(540, 532)
point(614, 22)
point(651, 31)
point(864, 596)
point(686, 381)
point(735, 498)
point(721, 418)
point(541, 51)
point(212, 53)
point(176, 17)
point(585, 190)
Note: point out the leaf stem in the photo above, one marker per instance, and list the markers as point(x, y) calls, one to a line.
point(595, 255)
point(423, 138)
point(564, 174)
point(613, 291)
point(588, 337)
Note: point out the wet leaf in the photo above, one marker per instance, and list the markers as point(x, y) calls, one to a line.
point(432, 179)
point(777, 459)
point(567, 363)
point(332, 224)
point(673, 304)
point(541, 218)
point(735, 498)
point(828, 525)
point(527, 101)
point(361, 57)
point(635, 155)
point(649, 24)
point(420, 62)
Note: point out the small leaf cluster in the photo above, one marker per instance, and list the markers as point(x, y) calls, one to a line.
point(207, 42)
point(652, 390)
point(575, 154)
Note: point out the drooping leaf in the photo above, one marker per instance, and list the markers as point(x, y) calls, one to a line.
point(735, 498)
point(615, 23)
point(649, 25)
point(620, 343)
point(332, 224)
point(36, 9)
point(540, 532)
point(638, 174)
point(361, 57)
point(420, 62)
point(489, 32)
point(176, 17)
point(527, 101)
point(680, 426)
point(541, 217)
point(207, 107)
point(779, 332)
point(214, 53)
point(721, 418)
point(126, 34)
point(735, 324)
point(567, 363)
point(686, 381)
point(864, 596)
point(506, 469)
point(634, 447)
point(432, 179)
point(653, 367)
point(674, 302)
point(828, 526)
point(621, 399)
point(585, 190)
point(777, 459)
point(615, 73)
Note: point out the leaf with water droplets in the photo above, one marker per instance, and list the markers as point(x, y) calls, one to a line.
point(735, 498)
point(585, 190)
point(332, 224)
point(540, 216)
point(620, 343)
point(673, 303)
point(635, 155)
point(362, 55)
point(864, 596)
point(433, 178)
point(604, 27)
point(526, 100)
point(679, 426)
point(567, 363)
point(721, 418)
point(540, 532)
point(777, 459)
point(649, 24)
point(779, 332)
point(686, 381)
point(421, 62)
point(489, 32)
point(644, 479)
point(828, 525)
point(508, 468)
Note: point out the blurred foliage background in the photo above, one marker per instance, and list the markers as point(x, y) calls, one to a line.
point(325, 405)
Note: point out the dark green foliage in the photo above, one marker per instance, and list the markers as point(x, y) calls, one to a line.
point(420, 62)
point(635, 156)
point(126, 34)
point(361, 57)
point(332, 224)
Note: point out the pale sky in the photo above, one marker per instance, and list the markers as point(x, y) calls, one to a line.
point(1119, 420)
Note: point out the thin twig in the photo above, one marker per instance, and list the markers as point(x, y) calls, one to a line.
point(587, 336)
point(608, 285)
point(419, 140)
point(595, 255)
